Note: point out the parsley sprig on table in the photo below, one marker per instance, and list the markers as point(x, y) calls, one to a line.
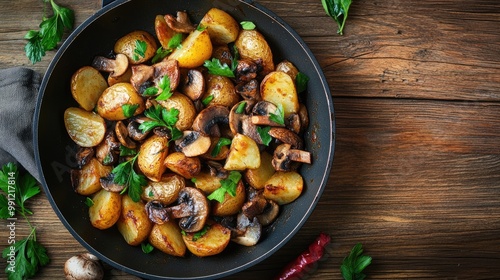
point(338, 10)
point(50, 32)
point(353, 265)
point(28, 253)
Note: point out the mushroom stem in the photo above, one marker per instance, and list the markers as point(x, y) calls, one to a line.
point(284, 156)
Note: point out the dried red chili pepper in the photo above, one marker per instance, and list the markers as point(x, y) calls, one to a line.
point(305, 261)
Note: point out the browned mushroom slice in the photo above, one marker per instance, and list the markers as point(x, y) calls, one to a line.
point(294, 123)
point(304, 117)
point(208, 120)
point(262, 112)
point(286, 136)
point(169, 68)
point(240, 121)
point(249, 90)
point(107, 151)
point(193, 143)
point(246, 70)
point(248, 231)
point(133, 129)
point(141, 77)
point(108, 183)
point(269, 214)
point(180, 24)
point(121, 132)
point(84, 155)
point(284, 155)
point(115, 67)
point(192, 209)
point(194, 84)
point(216, 169)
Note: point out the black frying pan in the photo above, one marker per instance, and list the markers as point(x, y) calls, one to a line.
point(54, 149)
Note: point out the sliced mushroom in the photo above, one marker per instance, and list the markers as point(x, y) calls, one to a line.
point(108, 183)
point(121, 132)
point(269, 214)
point(216, 169)
point(293, 123)
point(284, 155)
point(241, 123)
point(248, 231)
point(246, 70)
point(115, 67)
point(141, 77)
point(208, 120)
point(255, 206)
point(169, 68)
point(304, 116)
point(180, 24)
point(193, 143)
point(107, 151)
point(286, 136)
point(133, 129)
point(145, 76)
point(249, 90)
point(192, 209)
point(194, 84)
point(261, 113)
point(83, 156)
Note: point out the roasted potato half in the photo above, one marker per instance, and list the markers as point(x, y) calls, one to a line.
point(258, 177)
point(134, 223)
point(187, 111)
point(221, 26)
point(163, 32)
point(284, 187)
point(206, 182)
point(252, 45)
point(278, 88)
point(86, 181)
point(166, 190)
point(87, 84)
point(196, 48)
point(85, 128)
point(244, 153)
point(139, 46)
point(185, 166)
point(116, 102)
point(105, 211)
point(214, 241)
point(231, 204)
point(221, 91)
point(152, 154)
point(167, 238)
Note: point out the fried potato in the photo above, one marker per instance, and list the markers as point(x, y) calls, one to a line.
point(257, 177)
point(187, 111)
point(86, 181)
point(166, 190)
point(185, 166)
point(134, 223)
point(244, 153)
point(278, 88)
point(105, 211)
point(167, 238)
point(252, 45)
point(86, 129)
point(112, 104)
point(231, 204)
point(214, 241)
point(139, 46)
point(87, 84)
point(152, 154)
point(196, 48)
point(284, 187)
point(221, 26)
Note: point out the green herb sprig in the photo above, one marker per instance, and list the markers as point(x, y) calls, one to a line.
point(139, 50)
point(125, 175)
point(160, 116)
point(28, 253)
point(50, 32)
point(228, 185)
point(279, 116)
point(338, 10)
point(353, 265)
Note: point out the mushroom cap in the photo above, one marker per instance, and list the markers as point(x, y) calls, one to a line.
point(193, 143)
point(192, 209)
point(251, 230)
point(210, 117)
point(116, 67)
point(83, 267)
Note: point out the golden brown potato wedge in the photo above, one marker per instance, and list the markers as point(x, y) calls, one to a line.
point(179, 163)
point(86, 129)
point(113, 102)
point(139, 46)
point(284, 187)
point(87, 179)
point(196, 48)
point(221, 91)
point(152, 154)
point(244, 153)
point(87, 84)
point(214, 241)
point(252, 45)
point(167, 238)
point(134, 223)
point(166, 190)
point(288, 67)
point(257, 177)
point(105, 211)
point(221, 26)
point(187, 111)
point(206, 182)
point(163, 32)
point(231, 204)
point(278, 88)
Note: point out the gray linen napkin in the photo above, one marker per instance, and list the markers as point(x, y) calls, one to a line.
point(18, 93)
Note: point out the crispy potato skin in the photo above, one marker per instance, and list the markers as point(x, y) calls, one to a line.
point(166, 190)
point(231, 204)
point(152, 154)
point(134, 223)
point(221, 26)
point(196, 48)
point(86, 129)
point(187, 167)
point(244, 153)
point(167, 238)
point(284, 187)
point(127, 45)
point(89, 177)
point(257, 177)
point(214, 241)
point(278, 87)
point(252, 45)
point(222, 91)
point(105, 211)
point(112, 101)
point(87, 84)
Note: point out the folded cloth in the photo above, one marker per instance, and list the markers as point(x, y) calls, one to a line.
point(18, 93)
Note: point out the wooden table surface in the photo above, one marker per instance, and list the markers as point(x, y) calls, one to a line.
point(416, 174)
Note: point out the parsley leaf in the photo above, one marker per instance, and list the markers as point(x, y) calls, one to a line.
point(264, 134)
point(147, 248)
point(199, 234)
point(228, 185)
point(207, 100)
point(151, 91)
point(175, 41)
point(50, 33)
point(247, 25)
point(160, 54)
point(164, 85)
point(301, 81)
point(129, 109)
point(215, 67)
point(241, 107)
point(338, 10)
point(353, 265)
point(279, 116)
point(125, 175)
point(160, 116)
point(222, 142)
point(21, 188)
point(140, 50)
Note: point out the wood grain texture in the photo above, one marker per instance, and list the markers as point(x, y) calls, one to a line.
point(416, 174)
